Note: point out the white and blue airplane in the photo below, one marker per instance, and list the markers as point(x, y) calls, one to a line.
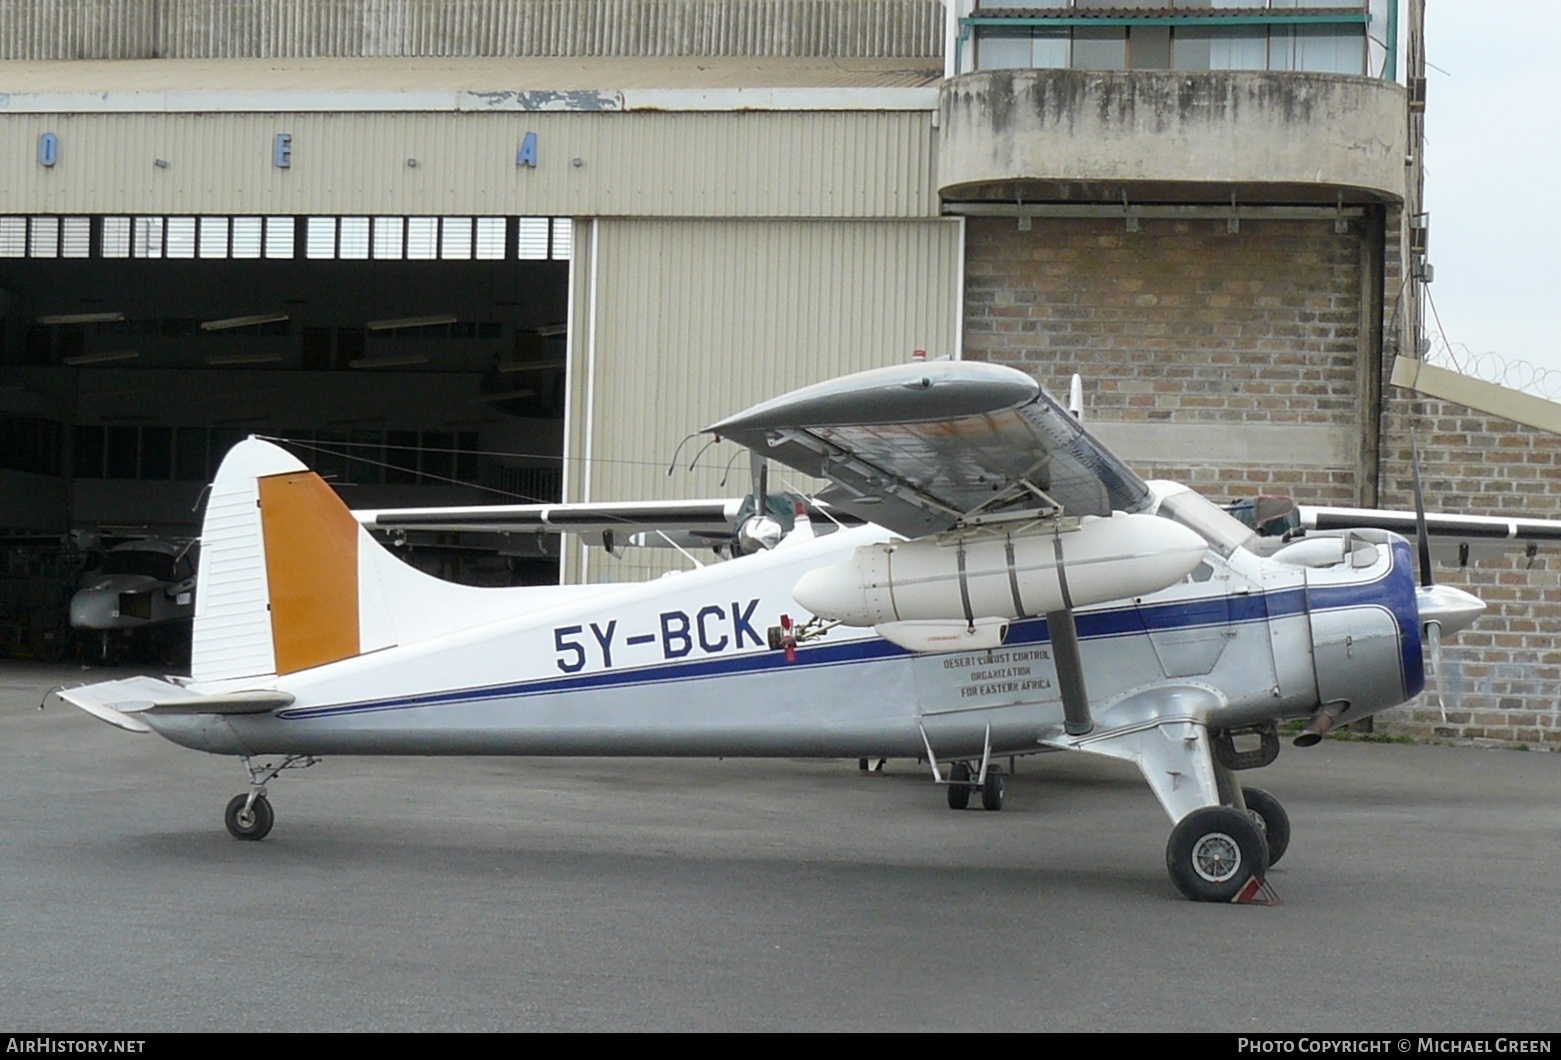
point(1010, 587)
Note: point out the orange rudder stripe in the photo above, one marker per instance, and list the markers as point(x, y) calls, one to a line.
point(312, 568)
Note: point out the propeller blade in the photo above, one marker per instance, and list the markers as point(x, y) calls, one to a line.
point(759, 475)
point(1444, 611)
point(1422, 538)
point(1433, 638)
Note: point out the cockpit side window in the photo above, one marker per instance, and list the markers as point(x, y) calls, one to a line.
point(1224, 533)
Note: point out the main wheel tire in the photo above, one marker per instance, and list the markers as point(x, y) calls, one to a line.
point(1213, 852)
point(256, 824)
point(992, 790)
point(1276, 822)
point(959, 786)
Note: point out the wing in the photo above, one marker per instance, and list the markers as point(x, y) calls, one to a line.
point(1454, 538)
point(689, 523)
point(707, 517)
point(919, 448)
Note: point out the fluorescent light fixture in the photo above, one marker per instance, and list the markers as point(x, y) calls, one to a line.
point(394, 361)
point(244, 322)
point(82, 318)
point(527, 366)
point(222, 359)
point(132, 391)
point(506, 395)
point(552, 331)
point(105, 357)
point(410, 322)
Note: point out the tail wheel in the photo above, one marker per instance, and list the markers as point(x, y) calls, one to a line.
point(255, 823)
point(1274, 819)
point(959, 786)
point(1213, 852)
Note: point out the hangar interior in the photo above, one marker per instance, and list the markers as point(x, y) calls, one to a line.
point(147, 345)
point(412, 360)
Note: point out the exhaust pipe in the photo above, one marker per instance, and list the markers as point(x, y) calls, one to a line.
point(1322, 721)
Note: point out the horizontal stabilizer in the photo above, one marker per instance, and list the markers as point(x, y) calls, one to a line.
point(119, 702)
point(258, 702)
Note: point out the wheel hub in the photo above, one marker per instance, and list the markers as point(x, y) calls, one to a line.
point(1216, 857)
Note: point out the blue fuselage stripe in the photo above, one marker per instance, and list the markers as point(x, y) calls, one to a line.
point(1137, 620)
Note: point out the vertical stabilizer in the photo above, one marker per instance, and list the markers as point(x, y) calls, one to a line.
point(289, 580)
point(277, 589)
point(232, 603)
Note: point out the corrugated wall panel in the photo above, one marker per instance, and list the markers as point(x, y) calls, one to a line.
point(697, 320)
point(708, 164)
point(76, 29)
point(206, 29)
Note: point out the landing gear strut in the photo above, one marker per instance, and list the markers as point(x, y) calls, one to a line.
point(249, 816)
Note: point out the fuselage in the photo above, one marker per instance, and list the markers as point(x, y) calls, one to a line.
point(683, 666)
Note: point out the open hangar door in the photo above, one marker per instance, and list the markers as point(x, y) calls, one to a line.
point(411, 360)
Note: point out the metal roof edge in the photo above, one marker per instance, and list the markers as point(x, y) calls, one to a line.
point(445, 100)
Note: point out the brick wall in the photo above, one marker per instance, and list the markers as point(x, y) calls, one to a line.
point(1181, 321)
point(1186, 322)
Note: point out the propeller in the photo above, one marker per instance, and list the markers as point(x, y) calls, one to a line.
point(759, 532)
point(1431, 628)
point(1431, 625)
point(1443, 609)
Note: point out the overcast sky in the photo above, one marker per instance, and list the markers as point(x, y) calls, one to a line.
point(1493, 169)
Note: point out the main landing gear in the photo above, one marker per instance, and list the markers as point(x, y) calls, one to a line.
point(1216, 853)
point(1271, 816)
point(249, 816)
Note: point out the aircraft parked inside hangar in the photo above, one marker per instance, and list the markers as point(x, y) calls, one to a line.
point(141, 587)
point(1014, 588)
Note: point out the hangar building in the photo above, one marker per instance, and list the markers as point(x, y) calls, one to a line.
point(521, 248)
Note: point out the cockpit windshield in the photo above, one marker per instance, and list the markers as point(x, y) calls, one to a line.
point(1222, 531)
point(157, 565)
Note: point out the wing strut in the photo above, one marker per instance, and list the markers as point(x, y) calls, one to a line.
point(1070, 673)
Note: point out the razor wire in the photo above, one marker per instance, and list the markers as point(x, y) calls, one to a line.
point(1492, 367)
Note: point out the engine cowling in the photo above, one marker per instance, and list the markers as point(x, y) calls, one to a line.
point(1003, 577)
